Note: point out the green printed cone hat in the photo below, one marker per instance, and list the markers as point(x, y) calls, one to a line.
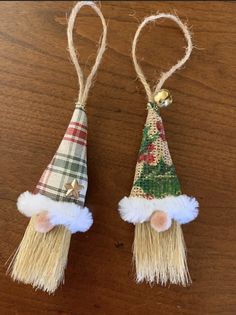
point(156, 193)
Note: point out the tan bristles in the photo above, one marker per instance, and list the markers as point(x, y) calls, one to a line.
point(160, 257)
point(41, 259)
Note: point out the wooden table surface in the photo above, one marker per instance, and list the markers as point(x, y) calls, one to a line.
point(38, 88)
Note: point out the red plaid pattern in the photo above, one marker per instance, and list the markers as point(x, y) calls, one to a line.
point(68, 163)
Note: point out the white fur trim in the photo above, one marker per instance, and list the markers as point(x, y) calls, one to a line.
point(72, 216)
point(138, 210)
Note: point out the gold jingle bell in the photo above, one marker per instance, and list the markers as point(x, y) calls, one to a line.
point(163, 98)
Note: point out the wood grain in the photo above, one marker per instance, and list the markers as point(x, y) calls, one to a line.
point(38, 87)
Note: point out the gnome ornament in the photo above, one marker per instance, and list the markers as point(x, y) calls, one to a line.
point(156, 205)
point(56, 207)
point(59, 196)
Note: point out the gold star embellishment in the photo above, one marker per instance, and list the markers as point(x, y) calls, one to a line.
point(73, 189)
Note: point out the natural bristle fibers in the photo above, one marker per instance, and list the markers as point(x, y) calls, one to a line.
point(41, 259)
point(160, 257)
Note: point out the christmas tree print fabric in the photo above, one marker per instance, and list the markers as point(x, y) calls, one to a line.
point(155, 175)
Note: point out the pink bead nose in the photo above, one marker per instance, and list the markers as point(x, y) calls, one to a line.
point(160, 221)
point(42, 222)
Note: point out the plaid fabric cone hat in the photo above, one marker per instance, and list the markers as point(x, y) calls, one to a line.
point(59, 196)
point(156, 195)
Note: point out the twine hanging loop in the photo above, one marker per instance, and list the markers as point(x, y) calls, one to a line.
point(158, 95)
point(84, 85)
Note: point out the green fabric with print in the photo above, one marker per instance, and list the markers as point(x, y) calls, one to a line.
point(160, 180)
